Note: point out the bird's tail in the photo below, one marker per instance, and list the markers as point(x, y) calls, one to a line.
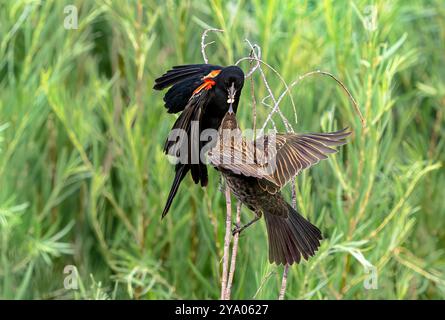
point(291, 237)
point(181, 172)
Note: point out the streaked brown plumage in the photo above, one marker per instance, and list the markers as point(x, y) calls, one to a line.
point(257, 183)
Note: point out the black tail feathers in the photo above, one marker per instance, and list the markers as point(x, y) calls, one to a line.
point(291, 237)
point(199, 173)
point(181, 172)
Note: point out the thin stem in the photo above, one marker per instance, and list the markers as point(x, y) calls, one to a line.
point(275, 107)
point(325, 73)
point(257, 58)
point(284, 282)
point(226, 243)
point(234, 252)
point(204, 45)
point(251, 55)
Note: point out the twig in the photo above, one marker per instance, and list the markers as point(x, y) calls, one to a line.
point(252, 90)
point(263, 102)
point(204, 45)
point(257, 57)
point(284, 282)
point(226, 243)
point(251, 55)
point(271, 95)
point(234, 252)
point(311, 73)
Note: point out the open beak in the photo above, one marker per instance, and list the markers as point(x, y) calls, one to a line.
point(231, 97)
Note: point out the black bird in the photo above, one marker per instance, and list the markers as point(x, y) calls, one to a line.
point(202, 92)
point(255, 171)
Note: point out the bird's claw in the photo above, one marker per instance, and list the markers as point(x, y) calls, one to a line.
point(237, 229)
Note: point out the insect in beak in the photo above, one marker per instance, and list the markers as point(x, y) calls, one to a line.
point(231, 97)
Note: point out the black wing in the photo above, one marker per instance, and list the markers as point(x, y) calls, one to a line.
point(192, 112)
point(184, 80)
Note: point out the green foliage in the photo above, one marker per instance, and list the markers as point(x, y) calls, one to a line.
point(83, 178)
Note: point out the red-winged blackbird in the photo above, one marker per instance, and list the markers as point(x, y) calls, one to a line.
point(203, 93)
point(246, 168)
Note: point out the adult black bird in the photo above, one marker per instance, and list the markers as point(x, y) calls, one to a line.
point(255, 171)
point(202, 92)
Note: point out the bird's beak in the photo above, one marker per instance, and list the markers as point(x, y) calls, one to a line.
point(231, 97)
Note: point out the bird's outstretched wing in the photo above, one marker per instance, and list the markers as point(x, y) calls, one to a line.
point(275, 159)
point(185, 81)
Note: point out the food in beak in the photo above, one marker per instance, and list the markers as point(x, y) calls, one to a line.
point(232, 92)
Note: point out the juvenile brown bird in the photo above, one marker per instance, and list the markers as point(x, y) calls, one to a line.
point(202, 93)
point(256, 171)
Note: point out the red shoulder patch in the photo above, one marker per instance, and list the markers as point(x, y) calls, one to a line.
point(208, 81)
point(212, 74)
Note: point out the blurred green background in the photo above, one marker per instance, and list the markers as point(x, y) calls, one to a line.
point(79, 185)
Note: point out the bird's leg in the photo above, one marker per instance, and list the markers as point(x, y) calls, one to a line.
point(238, 229)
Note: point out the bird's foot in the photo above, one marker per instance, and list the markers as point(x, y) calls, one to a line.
point(237, 229)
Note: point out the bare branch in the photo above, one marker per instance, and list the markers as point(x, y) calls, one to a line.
point(234, 252)
point(252, 90)
point(284, 282)
point(226, 243)
point(311, 73)
point(204, 45)
point(271, 95)
point(251, 55)
point(263, 102)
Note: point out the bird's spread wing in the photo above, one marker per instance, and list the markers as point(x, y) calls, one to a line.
point(275, 159)
point(185, 80)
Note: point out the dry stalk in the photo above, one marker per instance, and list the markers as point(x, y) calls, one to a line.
point(284, 282)
point(234, 253)
point(204, 45)
point(226, 243)
point(275, 108)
